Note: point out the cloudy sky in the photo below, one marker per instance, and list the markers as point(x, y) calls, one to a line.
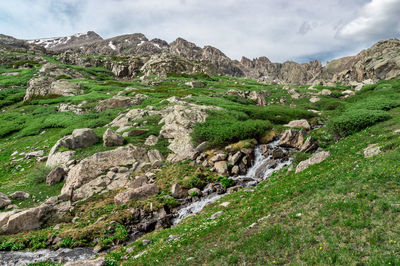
point(282, 30)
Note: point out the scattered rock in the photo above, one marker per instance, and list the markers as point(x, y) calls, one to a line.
point(225, 204)
point(173, 237)
point(34, 154)
point(55, 176)
point(216, 215)
point(196, 84)
point(221, 167)
point(326, 92)
point(135, 132)
point(151, 140)
point(4, 201)
point(315, 159)
point(314, 99)
point(146, 242)
point(20, 195)
point(372, 150)
point(110, 138)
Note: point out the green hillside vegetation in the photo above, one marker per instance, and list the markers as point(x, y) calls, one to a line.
point(344, 211)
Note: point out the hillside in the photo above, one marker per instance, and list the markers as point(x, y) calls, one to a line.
point(114, 155)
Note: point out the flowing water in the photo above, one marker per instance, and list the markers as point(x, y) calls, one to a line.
point(262, 168)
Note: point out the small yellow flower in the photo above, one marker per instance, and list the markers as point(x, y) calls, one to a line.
point(320, 247)
point(274, 262)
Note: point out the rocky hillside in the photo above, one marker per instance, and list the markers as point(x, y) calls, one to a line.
point(153, 158)
point(380, 62)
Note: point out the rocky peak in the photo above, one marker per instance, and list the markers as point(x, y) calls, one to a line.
point(185, 49)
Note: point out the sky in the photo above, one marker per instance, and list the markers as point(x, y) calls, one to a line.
point(282, 30)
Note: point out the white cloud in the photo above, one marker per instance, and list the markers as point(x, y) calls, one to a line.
point(378, 19)
point(251, 28)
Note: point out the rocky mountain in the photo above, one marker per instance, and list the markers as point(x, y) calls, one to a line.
point(74, 41)
point(381, 61)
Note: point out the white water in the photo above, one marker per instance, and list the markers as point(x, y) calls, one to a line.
point(258, 167)
point(24, 258)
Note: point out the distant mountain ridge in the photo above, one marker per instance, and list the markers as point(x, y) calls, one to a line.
point(381, 61)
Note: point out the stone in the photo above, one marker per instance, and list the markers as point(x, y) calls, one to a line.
point(45, 86)
point(194, 192)
point(173, 237)
point(146, 242)
point(4, 201)
point(216, 215)
point(218, 157)
point(293, 138)
point(235, 159)
point(314, 99)
point(299, 124)
point(140, 193)
point(80, 138)
point(110, 138)
point(120, 101)
point(372, 150)
point(326, 92)
point(155, 155)
point(315, 159)
point(34, 154)
point(348, 93)
point(60, 158)
point(151, 140)
point(195, 84)
point(91, 167)
point(235, 170)
point(225, 204)
point(55, 176)
point(221, 167)
point(178, 191)
point(202, 147)
point(17, 195)
point(310, 145)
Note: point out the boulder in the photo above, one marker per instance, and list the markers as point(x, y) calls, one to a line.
point(120, 101)
point(235, 158)
point(55, 176)
point(310, 145)
point(138, 182)
point(80, 138)
point(372, 150)
point(4, 201)
point(151, 140)
point(93, 166)
point(196, 84)
point(221, 167)
point(315, 159)
point(178, 191)
point(314, 99)
point(218, 157)
point(140, 193)
point(110, 138)
point(299, 124)
point(59, 158)
point(326, 92)
point(34, 154)
point(293, 138)
point(17, 195)
point(155, 155)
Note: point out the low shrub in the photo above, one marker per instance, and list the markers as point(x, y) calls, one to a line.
point(354, 120)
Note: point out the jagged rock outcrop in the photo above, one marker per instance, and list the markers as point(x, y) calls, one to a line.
point(76, 40)
point(93, 166)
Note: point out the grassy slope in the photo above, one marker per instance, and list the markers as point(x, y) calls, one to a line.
point(349, 209)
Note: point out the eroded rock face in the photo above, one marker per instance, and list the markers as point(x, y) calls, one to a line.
point(315, 159)
point(93, 166)
point(293, 138)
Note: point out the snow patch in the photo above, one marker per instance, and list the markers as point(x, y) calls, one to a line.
point(111, 45)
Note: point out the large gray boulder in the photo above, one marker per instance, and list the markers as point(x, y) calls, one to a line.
point(110, 139)
point(46, 86)
point(93, 166)
point(299, 124)
point(293, 138)
point(80, 138)
point(17, 195)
